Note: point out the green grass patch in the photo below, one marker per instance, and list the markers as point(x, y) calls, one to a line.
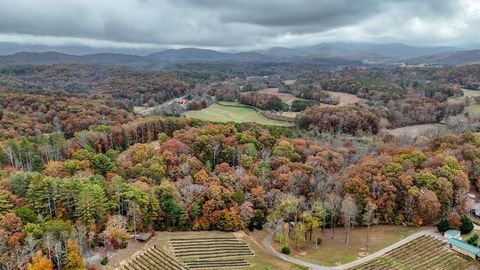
point(222, 114)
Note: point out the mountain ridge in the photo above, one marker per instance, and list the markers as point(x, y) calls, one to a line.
point(367, 52)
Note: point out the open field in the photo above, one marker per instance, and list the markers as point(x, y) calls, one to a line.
point(219, 113)
point(285, 97)
point(345, 98)
point(415, 130)
point(192, 249)
point(423, 253)
point(473, 108)
point(335, 251)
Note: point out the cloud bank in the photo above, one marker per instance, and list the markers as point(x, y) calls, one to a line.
point(238, 24)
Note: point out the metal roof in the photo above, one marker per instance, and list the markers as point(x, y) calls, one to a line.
point(453, 232)
point(464, 245)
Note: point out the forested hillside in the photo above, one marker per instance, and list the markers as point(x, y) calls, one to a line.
point(132, 86)
point(161, 173)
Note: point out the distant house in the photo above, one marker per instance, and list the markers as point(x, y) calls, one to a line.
point(464, 248)
point(452, 234)
point(182, 101)
point(475, 209)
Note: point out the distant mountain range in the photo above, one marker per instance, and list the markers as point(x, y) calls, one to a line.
point(448, 58)
point(366, 52)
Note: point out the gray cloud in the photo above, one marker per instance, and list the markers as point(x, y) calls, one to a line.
point(238, 24)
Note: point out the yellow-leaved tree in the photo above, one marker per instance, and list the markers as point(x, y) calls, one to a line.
point(74, 261)
point(40, 262)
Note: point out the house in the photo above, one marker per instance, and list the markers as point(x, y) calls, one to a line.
point(182, 101)
point(475, 209)
point(452, 234)
point(464, 248)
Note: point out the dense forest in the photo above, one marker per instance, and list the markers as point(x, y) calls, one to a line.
point(186, 175)
point(136, 87)
point(32, 115)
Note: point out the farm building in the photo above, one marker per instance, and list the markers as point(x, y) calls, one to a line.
point(452, 234)
point(475, 209)
point(464, 248)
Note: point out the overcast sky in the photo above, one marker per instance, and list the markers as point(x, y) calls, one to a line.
point(238, 24)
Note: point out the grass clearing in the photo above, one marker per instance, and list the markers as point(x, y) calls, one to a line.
point(219, 113)
point(286, 98)
point(345, 98)
point(334, 251)
point(473, 108)
point(415, 130)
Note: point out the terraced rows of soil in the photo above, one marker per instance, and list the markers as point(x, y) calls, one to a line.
point(423, 253)
point(211, 252)
point(153, 258)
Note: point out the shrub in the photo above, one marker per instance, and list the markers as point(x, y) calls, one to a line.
point(473, 240)
point(104, 261)
point(442, 225)
point(251, 226)
point(467, 225)
point(286, 250)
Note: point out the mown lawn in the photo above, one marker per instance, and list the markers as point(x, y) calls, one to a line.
point(219, 113)
point(335, 251)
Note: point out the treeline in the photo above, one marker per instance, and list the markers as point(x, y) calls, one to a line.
point(263, 101)
point(417, 109)
point(310, 92)
point(351, 119)
point(468, 76)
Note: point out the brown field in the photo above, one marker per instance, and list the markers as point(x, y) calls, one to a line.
point(345, 98)
point(285, 97)
point(335, 251)
point(415, 130)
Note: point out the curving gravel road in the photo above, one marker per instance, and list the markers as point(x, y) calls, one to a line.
point(268, 239)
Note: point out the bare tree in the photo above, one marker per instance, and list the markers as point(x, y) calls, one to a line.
point(349, 212)
point(369, 218)
point(59, 254)
point(80, 235)
point(215, 150)
point(48, 242)
point(134, 213)
point(30, 245)
point(333, 204)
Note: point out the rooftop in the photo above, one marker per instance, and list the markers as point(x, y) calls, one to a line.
point(463, 245)
point(452, 232)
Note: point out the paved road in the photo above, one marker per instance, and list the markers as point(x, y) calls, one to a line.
point(267, 244)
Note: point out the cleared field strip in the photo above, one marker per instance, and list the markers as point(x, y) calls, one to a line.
point(211, 252)
point(153, 258)
point(423, 253)
point(228, 112)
